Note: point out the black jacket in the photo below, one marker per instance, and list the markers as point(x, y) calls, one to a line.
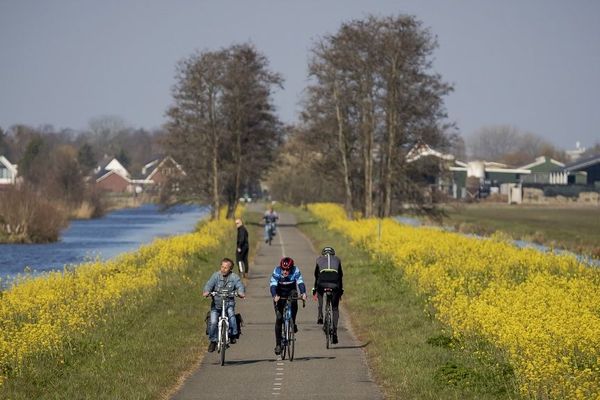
point(328, 273)
point(242, 239)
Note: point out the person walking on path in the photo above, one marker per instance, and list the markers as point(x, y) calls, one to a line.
point(224, 279)
point(286, 280)
point(329, 274)
point(241, 254)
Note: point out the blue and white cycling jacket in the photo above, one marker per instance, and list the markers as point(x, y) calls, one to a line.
point(284, 285)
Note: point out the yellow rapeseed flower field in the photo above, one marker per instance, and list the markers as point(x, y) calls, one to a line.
point(41, 316)
point(542, 311)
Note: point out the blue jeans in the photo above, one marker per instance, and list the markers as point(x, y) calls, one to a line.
point(215, 313)
point(270, 225)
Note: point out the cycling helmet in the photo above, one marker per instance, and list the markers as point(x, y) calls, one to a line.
point(328, 250)
point(286, 263)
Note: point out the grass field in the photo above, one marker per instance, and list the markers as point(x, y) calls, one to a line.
point(574, 229)
point(411, 354)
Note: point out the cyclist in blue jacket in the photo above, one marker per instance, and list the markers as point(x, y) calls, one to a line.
point(286, 281)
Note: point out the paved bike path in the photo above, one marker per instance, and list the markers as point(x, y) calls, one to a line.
point(252, 371)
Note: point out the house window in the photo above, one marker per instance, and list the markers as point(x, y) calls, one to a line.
point(4, 173)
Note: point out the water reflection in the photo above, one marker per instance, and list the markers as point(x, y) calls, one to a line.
point(118, 232)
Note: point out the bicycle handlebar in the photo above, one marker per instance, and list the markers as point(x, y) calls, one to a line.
point(294, 298)
point(224, 293)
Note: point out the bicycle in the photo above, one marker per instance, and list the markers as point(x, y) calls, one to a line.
point(328, 321)
point(270, 231)
point(223, 323)
point(288, 336)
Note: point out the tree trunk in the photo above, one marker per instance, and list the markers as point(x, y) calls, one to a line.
point(342, 147)
point(391, 142)
point(368, 127)
point(215, 159)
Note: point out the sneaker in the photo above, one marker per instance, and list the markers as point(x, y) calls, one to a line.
point(233, 340)
point(295, 328)
point(266, 240)
point(278, 350)
point(334, 338)
point(320, 321)
point(212, 347)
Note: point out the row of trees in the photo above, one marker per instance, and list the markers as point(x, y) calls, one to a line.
point(372, 96)
point(222, 127)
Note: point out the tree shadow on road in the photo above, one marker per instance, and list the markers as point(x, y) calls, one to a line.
point(358, 346)
point(244, 362)
point(313, 358)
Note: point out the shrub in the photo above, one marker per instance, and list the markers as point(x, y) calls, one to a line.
point(27, 217)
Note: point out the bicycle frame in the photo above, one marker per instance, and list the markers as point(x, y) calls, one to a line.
point(223, 336)
point(287, 335)
point(270, 228)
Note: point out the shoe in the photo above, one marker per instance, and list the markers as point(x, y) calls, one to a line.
point(334, 338)
point(295, 328)
point(320, 321)
point(212, 347)
point(278, 350)
point(266, 240)
point(233, 340)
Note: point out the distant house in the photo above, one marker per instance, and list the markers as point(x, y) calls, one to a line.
point(113, 177)
point(159, 171)
point(575, 154)
point(588, 168)
point(546, 170)
point(474, 177)
point(8, 172)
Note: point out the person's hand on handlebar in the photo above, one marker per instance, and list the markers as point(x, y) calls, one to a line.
point(276, 298)
point(205, 294)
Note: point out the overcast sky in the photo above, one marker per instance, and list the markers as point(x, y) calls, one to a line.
point(534, 65)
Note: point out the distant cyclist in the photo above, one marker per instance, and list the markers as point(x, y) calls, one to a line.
point(270, 218)
point(328, 274)
point(286, 281)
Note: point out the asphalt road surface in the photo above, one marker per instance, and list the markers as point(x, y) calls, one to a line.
point(253, 371)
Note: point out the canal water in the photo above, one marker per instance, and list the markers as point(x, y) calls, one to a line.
point(104, 238)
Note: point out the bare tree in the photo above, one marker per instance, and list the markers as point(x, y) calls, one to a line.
point(222, 126)
point(507, 144)
point(373, 84)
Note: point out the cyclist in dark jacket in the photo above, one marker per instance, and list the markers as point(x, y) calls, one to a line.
point(286, 280)
point(329, 274)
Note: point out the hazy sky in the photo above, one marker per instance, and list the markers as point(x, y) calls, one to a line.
point(531, 64)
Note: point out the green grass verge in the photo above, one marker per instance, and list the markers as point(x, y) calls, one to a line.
point(137, 354)
point(574, 229)
point(411, 354)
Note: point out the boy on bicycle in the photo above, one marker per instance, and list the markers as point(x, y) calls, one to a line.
point(328, 274)
point(286, 280)
point(224, 279)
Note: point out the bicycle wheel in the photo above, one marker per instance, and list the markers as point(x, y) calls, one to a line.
point(328, 323)
point(291, 341)
point(223, 339)
point(284, 339)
